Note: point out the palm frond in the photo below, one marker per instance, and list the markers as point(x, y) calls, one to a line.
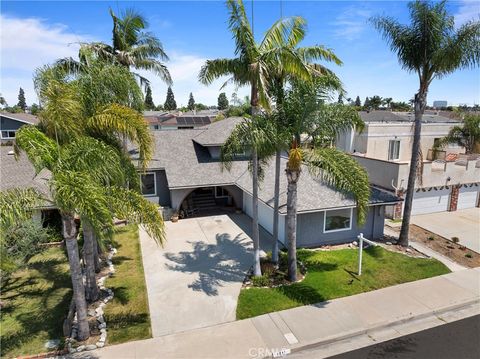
point(340, 170)
point(214, 69)
point(41, 150)
point(17, 205)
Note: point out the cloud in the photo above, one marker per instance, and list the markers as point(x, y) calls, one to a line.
point(351, 23)
point(184, 69)
point(467, 10)
point(27, 44)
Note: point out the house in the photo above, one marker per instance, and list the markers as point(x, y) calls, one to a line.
point(11, 122)
point(162, 120)
point(186, 174)
point(450, 180)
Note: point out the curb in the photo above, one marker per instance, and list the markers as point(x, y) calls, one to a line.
point(355, 333)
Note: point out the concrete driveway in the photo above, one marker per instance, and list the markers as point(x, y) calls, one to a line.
point(195, 280)
point(464, 224)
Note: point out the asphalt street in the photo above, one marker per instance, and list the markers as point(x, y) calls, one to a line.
point(456, 340)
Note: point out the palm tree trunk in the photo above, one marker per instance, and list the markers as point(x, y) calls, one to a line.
point(292, 177)
point(96, 256)
point(420, 103)
point(255, 231)
point(276, 199)
point(69, 230)
point(91, 287)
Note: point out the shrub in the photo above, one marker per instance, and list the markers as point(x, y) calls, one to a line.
point(468, 255)
point(431, 238)
point(261, 281)
point(455, 239)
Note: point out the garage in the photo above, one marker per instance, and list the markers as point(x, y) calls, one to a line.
point(430, 201)
point(467, 197)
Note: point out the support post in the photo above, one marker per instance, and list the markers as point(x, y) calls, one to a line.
point(360, 250)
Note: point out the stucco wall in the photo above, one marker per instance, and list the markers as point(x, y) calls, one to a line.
point(178, 195)
point(310, 228)
point(237, 195)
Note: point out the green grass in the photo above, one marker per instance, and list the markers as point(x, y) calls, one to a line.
point(35, 300)
point(332, 274)
point(127, 314)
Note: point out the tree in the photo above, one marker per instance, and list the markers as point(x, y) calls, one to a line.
point(3, 102)
point(159, 107)
point(358, 103)
point(34, 109)
point(21, 100)
point(375, 102)
point(170, 103)
point(467, 135)
point(432, 47)
point(131, 46)
point(400, 106)
point(149, 105)
point(387, 101)
point(251, 67)
point(366, 104)
point(311, 128)
point(340, 99)
point(222, 101)
point(191, 102)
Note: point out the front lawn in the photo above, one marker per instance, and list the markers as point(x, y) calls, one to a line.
point(127, 315)
point(35, 301)
point(333, 274)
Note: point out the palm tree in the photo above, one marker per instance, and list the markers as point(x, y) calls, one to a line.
point(252, 67)
point(312, 126)
point(131, 46)
point(90, 186)
point(467, 135)
point(432, 47)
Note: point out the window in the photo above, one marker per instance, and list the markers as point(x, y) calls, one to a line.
point(221, 192)
point(393, 150)
point(149, 184)
point(338, 220)
point(8, 135)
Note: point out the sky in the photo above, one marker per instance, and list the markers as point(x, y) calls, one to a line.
point(35, 33)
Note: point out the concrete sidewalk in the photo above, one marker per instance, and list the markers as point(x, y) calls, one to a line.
point(433, 300)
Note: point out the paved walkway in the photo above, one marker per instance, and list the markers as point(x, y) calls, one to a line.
point(369, 315)
point(453, 266)
point(464, 224)
point(194, 281)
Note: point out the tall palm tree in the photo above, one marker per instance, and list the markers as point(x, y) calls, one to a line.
point(90, 186)
point(251, 67)
point(131, 46)
point(312, 125)
point(431, 47)
point(467, 135)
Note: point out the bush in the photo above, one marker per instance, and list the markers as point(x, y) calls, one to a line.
point(468, 255)
point(431, 238)
point(262, 281)
point(21, 242)
point(455, 239)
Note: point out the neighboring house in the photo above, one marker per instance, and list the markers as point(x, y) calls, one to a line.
point(158, 120)
point(450, 180)
point(186, 175)
point(11, 122)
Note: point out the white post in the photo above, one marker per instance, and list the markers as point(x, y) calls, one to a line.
point(360, 249)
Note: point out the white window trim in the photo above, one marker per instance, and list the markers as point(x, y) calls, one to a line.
point(336, 230)
point(7, 138)
point(223, 190)
point(154, 183)
point(399, 144)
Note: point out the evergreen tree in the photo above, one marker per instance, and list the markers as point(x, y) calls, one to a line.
point(358, 102)
point(191, 102)
point(340, 99)
point(170, 103)
point(21, 100)
point(366, 104)
point(149, 105)
point(222, 101)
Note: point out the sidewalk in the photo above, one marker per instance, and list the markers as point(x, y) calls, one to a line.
point(378, 311)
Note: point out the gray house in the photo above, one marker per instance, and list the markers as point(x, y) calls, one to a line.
point(11, 122)
point(185, 175)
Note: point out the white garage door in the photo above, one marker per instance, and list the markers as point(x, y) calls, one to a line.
point(430, 201)
point(467, 197)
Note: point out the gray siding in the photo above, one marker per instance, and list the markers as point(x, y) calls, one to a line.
point(310, 228)
point(163, 192)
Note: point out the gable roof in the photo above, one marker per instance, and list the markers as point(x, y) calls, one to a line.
point(22, 117)
point(217, 133)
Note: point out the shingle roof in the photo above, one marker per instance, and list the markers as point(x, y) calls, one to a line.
point(388, 116)
point(188, 164)
point(20, 173)
point(23, 117)
point(313, 194)
point(218, 132)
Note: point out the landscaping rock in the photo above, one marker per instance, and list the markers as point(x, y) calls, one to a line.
point(91, 347)
point(389, 243)
point(99, 312)
point(355, 243)
point(72, 350)
point(91, 312)
point(100, 345)
point(103, 331)
point(81, 348)
point(102, 326)
point(100, 319)
point(408, 250)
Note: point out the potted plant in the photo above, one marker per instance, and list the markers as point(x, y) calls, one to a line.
point(175, 217)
